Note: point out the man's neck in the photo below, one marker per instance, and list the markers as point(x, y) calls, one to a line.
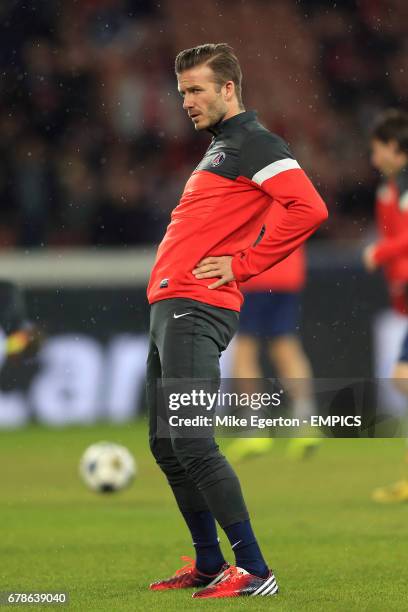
point(236, 110)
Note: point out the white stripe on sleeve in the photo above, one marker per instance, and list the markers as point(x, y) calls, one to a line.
point(273, 169)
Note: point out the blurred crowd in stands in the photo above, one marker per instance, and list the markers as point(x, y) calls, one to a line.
point(95, 147)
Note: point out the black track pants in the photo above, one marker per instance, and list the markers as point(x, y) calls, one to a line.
point(189, 346)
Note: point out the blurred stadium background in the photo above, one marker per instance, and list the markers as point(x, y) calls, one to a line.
point(95, 150)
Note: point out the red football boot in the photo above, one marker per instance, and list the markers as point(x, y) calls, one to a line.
point(188, 577)
point(237, 582)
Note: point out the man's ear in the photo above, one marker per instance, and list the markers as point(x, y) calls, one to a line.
point(229, 90)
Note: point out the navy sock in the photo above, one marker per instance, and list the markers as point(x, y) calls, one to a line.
point(247, 552)
point(209, 557)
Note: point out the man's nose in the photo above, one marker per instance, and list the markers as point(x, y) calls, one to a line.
point(187, 102)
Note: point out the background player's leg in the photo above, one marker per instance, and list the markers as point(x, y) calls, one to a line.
point(400, 377)
point(247, 366)
point(193, 506)
point(247, 347)
point(397, 491)
point(292, 364)
point(287, 355)
point(246, 361)
point(294, 369)
point(286, 352)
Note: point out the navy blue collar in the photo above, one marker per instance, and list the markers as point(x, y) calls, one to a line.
point(232, 122)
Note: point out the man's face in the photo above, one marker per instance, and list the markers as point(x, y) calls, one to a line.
point(203, 98)
point(385, 156)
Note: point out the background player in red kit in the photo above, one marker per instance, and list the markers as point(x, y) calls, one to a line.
point(390, 156)
point(271, 314)
point(211, 244)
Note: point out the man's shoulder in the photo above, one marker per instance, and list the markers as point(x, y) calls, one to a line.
point(258, 134)
point(260, 148)
point(394, 192)
point(402, 181)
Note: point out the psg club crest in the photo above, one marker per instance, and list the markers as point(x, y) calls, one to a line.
point(218, 159)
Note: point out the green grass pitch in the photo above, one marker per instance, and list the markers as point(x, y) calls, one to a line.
point(330, 546)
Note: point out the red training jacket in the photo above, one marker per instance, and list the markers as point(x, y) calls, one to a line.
point(391, 251)
point(245, 173)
